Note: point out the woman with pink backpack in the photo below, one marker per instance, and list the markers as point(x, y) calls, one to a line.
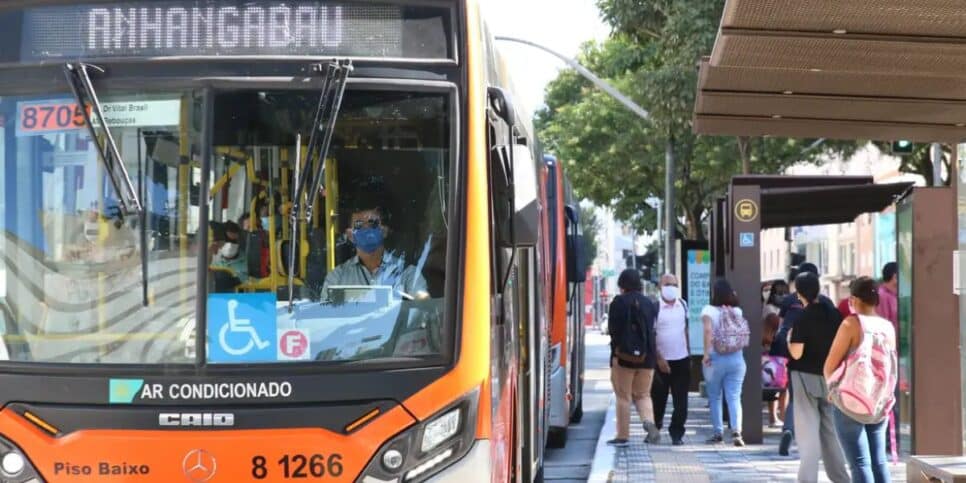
point(726, 334)
point(861, 370)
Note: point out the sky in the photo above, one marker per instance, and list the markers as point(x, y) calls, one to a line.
point(561, 25)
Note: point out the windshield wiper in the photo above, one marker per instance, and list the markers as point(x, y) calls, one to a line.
point(83, 88)
point(330, 102)
point(130, 204)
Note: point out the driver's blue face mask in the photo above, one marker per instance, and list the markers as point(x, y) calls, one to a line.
point(368, 239)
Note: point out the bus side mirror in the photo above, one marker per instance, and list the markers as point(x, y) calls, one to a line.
point(502, 105)
point(527, 213)
point(575, 246)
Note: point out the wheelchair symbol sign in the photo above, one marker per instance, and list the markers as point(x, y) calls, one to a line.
point(241, 328)
point(747, 240)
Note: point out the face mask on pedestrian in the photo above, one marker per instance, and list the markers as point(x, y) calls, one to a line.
point(265, 223)
point(669, 292)
point(229, 250)
point(764, 295)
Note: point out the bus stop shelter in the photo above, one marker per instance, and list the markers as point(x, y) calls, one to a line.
point(756, 203)
point(844, 69)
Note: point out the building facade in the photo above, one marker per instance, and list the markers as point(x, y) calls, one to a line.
point(845, 251)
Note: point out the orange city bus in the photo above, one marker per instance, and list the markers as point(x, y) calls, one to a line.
point(566, 364)
point(267, 240)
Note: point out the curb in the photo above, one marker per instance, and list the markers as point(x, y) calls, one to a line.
point(603, 464)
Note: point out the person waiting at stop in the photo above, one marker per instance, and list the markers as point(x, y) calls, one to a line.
point(373, 264)
point(809, 342)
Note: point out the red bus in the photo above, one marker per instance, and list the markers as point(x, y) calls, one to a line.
point(566, 276)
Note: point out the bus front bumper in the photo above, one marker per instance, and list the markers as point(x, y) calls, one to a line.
point(474, 467)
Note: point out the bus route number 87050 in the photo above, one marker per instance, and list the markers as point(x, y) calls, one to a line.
point(300, 466)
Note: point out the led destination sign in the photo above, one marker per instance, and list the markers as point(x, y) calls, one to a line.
point(234, 28)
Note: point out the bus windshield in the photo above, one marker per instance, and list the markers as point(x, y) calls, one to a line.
point(71, 278)
point(369, 264)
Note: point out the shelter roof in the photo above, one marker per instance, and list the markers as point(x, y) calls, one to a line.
point(788, 201)
point(841, 69)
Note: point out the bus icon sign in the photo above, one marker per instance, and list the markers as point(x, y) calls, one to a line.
point(241, 328)
point(293, 345)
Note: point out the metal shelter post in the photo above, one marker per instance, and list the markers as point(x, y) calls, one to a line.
point(744, 214)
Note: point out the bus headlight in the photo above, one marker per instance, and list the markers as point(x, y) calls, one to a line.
point(440, 429)
point(426, 448)
point(14, 465)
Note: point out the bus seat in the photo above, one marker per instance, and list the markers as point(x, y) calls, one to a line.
point(253, 252)
point(283, 250)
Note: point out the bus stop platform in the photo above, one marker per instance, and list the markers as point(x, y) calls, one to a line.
point(695, 461)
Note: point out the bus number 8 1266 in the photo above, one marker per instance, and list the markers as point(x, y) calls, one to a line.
point(300, 466)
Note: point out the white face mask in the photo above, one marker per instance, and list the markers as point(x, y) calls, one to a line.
point(669, 292)
point(229, 250)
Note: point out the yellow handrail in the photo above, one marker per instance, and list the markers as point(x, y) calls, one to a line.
point(331, 209)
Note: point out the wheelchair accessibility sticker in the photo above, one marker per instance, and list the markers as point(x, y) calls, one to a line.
point(242, 328)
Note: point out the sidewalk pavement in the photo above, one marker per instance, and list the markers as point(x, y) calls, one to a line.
point(695, 461)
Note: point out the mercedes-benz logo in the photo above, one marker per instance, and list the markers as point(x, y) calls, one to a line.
point(199, 465)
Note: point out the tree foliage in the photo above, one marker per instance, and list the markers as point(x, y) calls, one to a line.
point(589, 226)
point(617, 159)
point(920, 161)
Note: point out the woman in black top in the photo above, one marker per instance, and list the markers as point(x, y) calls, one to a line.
point(632, 378)
point(809, 342)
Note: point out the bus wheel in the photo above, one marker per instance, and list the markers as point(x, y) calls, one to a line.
point(578, 413)
point(557, 438)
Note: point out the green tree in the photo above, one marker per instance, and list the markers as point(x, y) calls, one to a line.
point(920, 160)
point(617, 159)
point(590, 227)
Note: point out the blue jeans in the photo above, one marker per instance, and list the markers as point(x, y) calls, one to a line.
point(727, 373)
point(865, 448)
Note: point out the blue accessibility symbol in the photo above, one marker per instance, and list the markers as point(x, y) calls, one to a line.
point(747, 240)
point(242, 328)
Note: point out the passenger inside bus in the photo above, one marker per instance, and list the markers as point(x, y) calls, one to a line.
point(229, 254)
point(373, 264)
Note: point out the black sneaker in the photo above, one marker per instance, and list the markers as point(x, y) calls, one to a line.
point(618, 442)
point(715, 439)
point(677, 441)
point(785, 444)
point(737, 440)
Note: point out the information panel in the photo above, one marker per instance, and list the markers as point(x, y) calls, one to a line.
point(699, 295)
point(232, 28)
point(58, 115)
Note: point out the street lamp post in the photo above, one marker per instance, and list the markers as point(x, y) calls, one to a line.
point(643, 114)
point(655, 202)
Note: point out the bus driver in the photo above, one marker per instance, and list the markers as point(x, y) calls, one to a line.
point(373, 264)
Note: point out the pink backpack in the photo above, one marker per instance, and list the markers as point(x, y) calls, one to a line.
point(774, 372)
point(731, 333)
point(863, 386)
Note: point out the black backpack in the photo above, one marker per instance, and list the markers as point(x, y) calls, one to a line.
point(632, 342)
